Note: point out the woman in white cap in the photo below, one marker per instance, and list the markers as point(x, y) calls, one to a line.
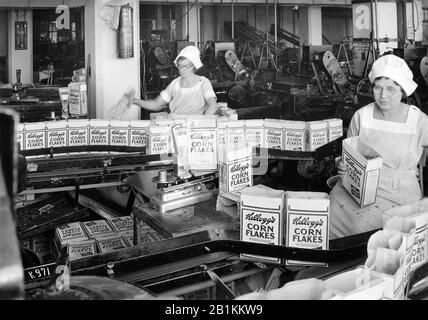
point(188, 94)
point(398, 132)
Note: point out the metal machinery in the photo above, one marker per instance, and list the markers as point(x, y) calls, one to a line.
point(197, 257)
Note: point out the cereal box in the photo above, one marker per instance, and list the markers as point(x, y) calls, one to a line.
point(70, 233)
point(138, 133)
point(122, 225)
point(334, 129)
point(98, 228)
point(119, 133)
point(363, 165)
point(111, 244)
point(159, 140)
point(236, 171)
point(307, 222)
point(254, 133)
point(78, 132)
point(202, 143)
point(235, 135)
point(78, 102)
point(262, 218)
point(274, 134)
point(35, 135)
point(98, 132)
point(294, 135)
point(316, 135)
point(56, 133)
point(82, 249)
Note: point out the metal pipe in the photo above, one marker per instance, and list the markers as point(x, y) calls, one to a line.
point(377, 29)
point(276, 31)
point(233, 22)
point(267, 34)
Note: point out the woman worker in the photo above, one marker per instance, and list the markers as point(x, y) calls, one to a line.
point(189, 94)
point(395, 130)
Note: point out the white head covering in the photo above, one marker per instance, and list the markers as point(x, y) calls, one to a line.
point(192, 54)
point(394, 68)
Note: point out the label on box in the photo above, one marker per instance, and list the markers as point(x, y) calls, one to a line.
point(274, 138)
point(236, 175)
point(98, 136)
point(81, 250)
point(159, 144)
point(419, 246)
point(309, 231)
point(111, 244)
point(57, 138)
point(295, 140)
point(138, 137)
point(202, 148)
point(35, 139)
point(122, 224)
point(98, 228)
point(235, 138)
point(317, 138)
point(335, 133)
point(261, 227)
point(119, 136)
point(254, 137)
point(77, 137)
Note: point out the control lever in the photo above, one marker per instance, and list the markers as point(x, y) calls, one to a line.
point(218, 282)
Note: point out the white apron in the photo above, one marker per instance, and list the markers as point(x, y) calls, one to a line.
point(399, 146)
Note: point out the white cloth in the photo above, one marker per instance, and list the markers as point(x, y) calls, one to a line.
point(394, 68)
point(192, 54)
point(110, 12)
point(401, 146)
point(188, 101)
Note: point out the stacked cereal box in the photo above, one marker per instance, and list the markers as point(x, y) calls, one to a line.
point(119, 133)
point(74, 237)
point(316, 135)
point(307, 222)
point(294, 135)
point(274, 134)
point(138, 133)
point(106, 237)
point(78, 104)
point(262, 218)
point(78, 133)
point(254, 133)
point(334, 129)
point(35, 135)
point(99, 132)
point(363, 165)
point(202, 143)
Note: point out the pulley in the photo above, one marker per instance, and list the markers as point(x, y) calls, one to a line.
point(237, 95)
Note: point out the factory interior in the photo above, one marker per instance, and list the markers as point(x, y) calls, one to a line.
point(111, 189)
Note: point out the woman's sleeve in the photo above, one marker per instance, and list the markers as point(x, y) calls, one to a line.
point(167, 94)
point(354, 125)
point(208, 89)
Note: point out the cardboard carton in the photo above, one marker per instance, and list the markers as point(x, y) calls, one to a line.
point(307, 223)
point(236, 171)
point(262, 218)
point(96, 229)
point(363, 165)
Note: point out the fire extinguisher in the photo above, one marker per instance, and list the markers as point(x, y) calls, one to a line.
point(126, 32)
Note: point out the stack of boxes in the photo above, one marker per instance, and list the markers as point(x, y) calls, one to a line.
point(78, 99)
point(87, 238)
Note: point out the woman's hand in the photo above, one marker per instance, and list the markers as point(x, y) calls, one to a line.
point(341, 168)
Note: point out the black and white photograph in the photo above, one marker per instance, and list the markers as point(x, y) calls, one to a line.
point(213, 158)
